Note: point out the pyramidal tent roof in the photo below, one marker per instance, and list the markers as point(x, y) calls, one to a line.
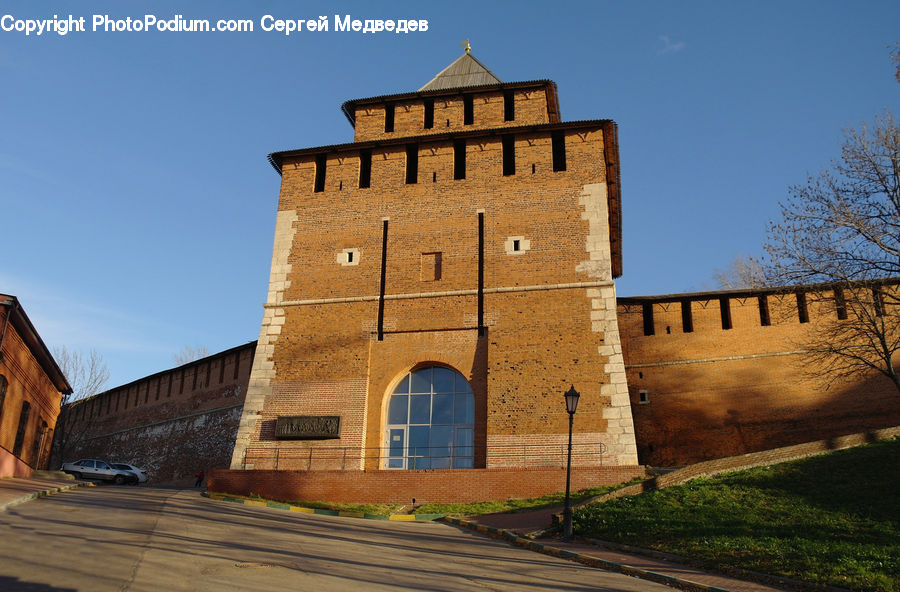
point(465, 71)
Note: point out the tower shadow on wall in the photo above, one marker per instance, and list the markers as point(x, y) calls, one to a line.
point(704, 420)
point(478, 380)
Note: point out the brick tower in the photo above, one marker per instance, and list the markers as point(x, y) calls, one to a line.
point(437, 285)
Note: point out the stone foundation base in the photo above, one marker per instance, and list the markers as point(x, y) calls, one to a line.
point(401, 487)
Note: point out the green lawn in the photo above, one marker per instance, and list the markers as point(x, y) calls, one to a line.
point(473, 509)
point(831, 519)
point(516, 505)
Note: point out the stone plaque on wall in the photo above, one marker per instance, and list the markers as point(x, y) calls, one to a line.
point(308, 427)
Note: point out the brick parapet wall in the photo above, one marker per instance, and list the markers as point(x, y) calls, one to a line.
point(463, 486)
point(715, 392)
point(531, 107)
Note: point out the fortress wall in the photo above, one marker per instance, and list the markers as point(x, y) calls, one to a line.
point(715, 392)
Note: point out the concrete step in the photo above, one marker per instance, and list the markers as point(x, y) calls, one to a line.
point(58, 475)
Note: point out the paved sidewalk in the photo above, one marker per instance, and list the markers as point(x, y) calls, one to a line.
point(16, 490)
point(513, 527)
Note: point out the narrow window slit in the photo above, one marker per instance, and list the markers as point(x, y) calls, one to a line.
point(509, 155)
point(725, 310)
point(412, 163)
point(388, 118)
point(509, 105)
point(365, 168)
point(878, 302)
point(647, 311)
point(429, 113)
point(319, 185)
point(459, 159)
point(764, 319)
point(558, 141)
point(840, 304)
point(802, 307)
point(687, 319)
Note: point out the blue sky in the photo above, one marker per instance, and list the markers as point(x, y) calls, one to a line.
point(137, 207)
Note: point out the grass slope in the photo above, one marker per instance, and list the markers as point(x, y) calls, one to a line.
point(831, 519)
point(516, 505)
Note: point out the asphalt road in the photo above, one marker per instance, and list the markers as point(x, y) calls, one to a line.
point(127, 538)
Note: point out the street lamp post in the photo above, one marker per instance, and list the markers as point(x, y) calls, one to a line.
point(571, 405)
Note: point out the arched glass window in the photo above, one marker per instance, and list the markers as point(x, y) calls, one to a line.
point(431, 416)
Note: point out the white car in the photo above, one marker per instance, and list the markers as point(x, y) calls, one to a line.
point(141, 473)
point(91, 468)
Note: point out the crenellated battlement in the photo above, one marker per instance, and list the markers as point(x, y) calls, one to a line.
point(456, 110)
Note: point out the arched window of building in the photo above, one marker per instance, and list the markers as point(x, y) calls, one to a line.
point(430, 423)
point(3, 385)
point(23, 425)
point(38, 444)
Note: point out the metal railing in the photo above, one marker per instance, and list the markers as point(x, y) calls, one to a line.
point(334, 458)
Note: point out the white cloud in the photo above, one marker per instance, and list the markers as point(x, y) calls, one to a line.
point(21, 167)
point(64, 319)
point(669, 46)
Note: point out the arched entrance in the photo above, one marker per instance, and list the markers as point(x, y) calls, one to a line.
point(430, 421)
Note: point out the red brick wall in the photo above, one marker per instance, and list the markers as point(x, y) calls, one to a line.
point(326, 357)
point(27, 382)
point(531, 107)
point(471, 485)
point(715, 392)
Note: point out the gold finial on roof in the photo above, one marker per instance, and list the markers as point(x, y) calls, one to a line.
point(466, 45)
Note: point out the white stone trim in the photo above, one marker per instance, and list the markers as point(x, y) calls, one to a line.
point(263, 370)
point(524, 245)
point(620, 425)
point(408, 296)
point(347, 257)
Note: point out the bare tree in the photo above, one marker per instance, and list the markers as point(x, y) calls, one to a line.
point(88, 375)
point(743, 272)
point(843, 227)
point(895, 56)
point(189, 354)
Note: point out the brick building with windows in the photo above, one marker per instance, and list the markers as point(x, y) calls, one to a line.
point(31, 389)
point(437, 285)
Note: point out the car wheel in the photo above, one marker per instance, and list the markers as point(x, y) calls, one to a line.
point(119, 479)
point(77, 475)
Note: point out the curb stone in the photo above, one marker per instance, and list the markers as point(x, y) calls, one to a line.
point(583, 558)
point(42, 493)
point(322, 512)
point(742, 574)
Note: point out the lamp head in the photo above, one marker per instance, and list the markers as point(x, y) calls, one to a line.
point(572, 397)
